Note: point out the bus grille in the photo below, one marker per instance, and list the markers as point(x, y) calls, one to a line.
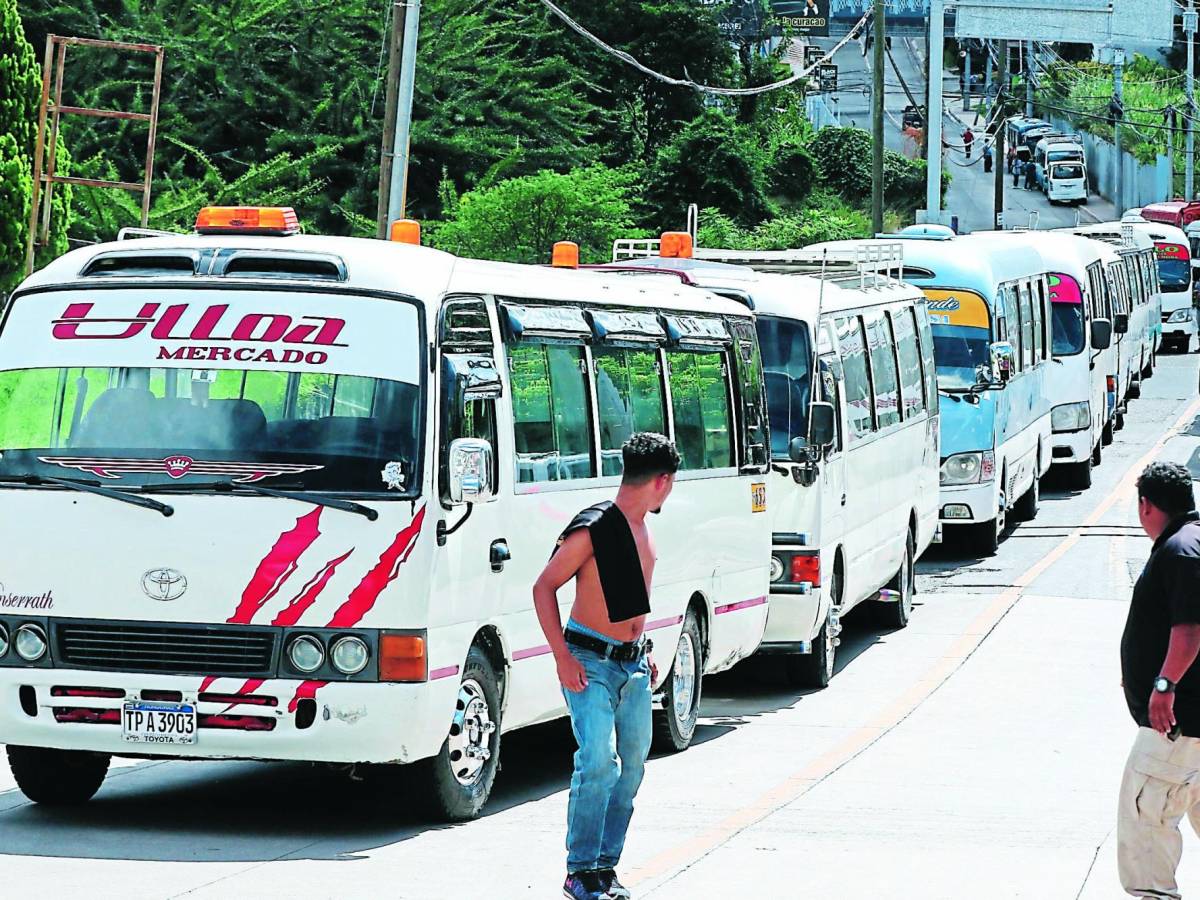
point(166, 649)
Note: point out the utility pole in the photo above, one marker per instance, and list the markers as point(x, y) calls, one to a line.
point(398, 195)
point(399, 12)
point(1189, 28)
point(933, 112)
point(1117, 113)
point(1029, 79)
point(877, 101)
point(1170, 152)
point(966, 98)
point(987, 72)
point(1000, 168)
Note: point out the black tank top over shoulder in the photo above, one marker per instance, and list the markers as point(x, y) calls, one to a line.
point(617, 560)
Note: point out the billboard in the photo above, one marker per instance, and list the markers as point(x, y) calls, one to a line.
point(803, 17)
point(1113, 22)
point(828, 74)
point(740, 20)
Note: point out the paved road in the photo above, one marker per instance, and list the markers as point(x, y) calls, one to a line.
point(972, 191)
point(975, 754)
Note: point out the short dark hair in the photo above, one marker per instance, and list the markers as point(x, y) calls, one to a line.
point(648, 455)
point(1167, 486)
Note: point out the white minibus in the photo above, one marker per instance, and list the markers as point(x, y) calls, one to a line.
point(851, 508)
point(1082, 349)
point(1175, 281)
point(284, 497)
point(988, 299)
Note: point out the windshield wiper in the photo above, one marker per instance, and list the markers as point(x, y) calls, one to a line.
point(285, 492)
point(89, 487)
point(946, 392)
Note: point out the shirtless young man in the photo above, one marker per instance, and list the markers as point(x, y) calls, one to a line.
point(604, 661)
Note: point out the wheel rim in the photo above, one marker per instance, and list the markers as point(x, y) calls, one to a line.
point(683, 678)
point(470, 733)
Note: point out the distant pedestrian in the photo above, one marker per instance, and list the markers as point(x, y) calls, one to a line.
point(1161, 783)
point(1011, 159)
point(968, 139)
point(1030, 175)
point(603, 660)
point(987, 158)
point(1017, 166)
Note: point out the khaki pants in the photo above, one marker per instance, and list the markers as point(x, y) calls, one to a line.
point(1161, 784)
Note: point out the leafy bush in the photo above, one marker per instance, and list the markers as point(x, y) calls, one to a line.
point(519, 220)
point(844, 158)
point(828, 220)
point(793, 171)
point(716, 163)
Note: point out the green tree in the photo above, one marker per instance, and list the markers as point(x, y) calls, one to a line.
point(20, 90)
point(520, 219)
point(715, 162)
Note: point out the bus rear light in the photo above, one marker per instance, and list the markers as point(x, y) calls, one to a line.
point(406, 231)
point(276, 220)
point(1112, 384)
point(402, 657)
point(565, 255)
point(806, 567)
point(675, 245)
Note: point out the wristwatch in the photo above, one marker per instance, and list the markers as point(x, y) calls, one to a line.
point(1163, 685)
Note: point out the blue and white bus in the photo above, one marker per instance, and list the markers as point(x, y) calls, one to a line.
point(989, 307)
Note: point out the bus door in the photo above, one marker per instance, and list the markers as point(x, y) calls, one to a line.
point(833, 470)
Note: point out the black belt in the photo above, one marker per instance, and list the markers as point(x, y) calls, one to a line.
point(626, 652)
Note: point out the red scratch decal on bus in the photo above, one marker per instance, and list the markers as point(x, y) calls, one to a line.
point(277, 567)
point(248, 688)
point(384, 572)
point(308, 595)
point(207, 682)
point(306, 691)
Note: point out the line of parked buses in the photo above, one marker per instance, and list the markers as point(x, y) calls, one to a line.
point(431, 423)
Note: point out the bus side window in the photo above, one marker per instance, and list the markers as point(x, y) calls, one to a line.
point(1040, 319)
point(928, 364)
point(829, 394)
point(1012, 319)
point(551, 423)
point(700, 406)
point(912, 386)
point(860, 403)
point(751, 396)
point(629, 397)
point(1027, 326)
point(883, 370)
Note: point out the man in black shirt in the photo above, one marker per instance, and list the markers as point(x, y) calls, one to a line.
point(1162, 688)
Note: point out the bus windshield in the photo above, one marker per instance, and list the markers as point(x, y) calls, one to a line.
point(1174, 268)
point(960, 353)
point(787, 367)
point(126, 427)
point(1068, 329)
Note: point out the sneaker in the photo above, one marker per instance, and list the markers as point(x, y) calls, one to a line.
point(585, 886)
point(616, 890)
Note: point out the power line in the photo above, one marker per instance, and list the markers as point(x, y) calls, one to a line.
point(687, 82)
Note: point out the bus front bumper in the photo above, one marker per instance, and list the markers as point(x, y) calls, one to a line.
point(793, 622)
point(1071, 447)
point(967, 504)
point(339, 722)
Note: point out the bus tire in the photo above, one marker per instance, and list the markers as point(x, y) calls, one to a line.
point(815, 670)
point(1081, 475)
point(1148, 372)
point(894, 614)
point(1119, 421)
point(1184, 345)
point(1135, 387)
point(1026, 508)
point(1106, 433)
point(1097, 455)
point(57, 777)
point(675, 724)
point(454, 785)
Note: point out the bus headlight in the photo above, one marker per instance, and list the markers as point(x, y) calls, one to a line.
point(1070, 417)
point(968, 468)
point(349, 655)
point(306, 653)
point(1180, 315)
point(30, 642)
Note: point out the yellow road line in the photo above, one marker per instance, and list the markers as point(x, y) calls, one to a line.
point(684, 854)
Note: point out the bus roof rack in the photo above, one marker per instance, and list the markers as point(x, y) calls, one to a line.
point(127, 234)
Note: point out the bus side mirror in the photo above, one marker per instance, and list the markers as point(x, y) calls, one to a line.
point(1004, 361)
point(821, 424)
point(1102, 330)
point(1121, 323)
point(470, 470)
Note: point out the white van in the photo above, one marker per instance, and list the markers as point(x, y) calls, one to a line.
point(305, 485)
point(851, 508)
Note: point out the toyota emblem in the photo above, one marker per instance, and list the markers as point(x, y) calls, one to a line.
point(164, 584)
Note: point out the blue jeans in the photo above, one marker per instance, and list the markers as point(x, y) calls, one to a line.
point(611, 719)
